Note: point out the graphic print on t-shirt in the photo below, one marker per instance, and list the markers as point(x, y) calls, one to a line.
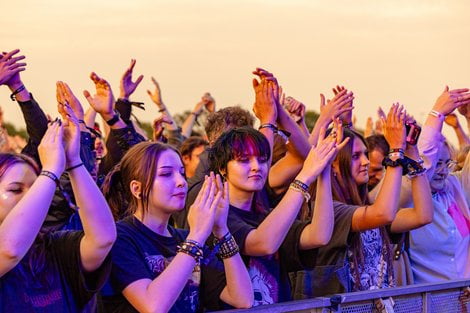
point(158, 263)
point(264, 283)
point(373, 274)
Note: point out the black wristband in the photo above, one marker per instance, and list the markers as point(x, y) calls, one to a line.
point(17, 91)
point(74, 167)
point(114, 119)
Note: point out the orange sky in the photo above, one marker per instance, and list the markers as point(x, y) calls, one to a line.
point(385, 51)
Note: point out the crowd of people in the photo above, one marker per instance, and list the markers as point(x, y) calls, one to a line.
point(105, 219)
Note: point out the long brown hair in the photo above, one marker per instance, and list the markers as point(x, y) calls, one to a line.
point(140, 164)
point(345, 190)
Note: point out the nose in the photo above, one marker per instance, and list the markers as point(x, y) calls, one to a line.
point(365, 160)
point(180, 181)
point(254, 164)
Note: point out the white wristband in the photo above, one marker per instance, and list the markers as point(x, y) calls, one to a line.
point(437, 114)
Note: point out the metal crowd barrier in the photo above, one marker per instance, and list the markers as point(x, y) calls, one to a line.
point(447, 297)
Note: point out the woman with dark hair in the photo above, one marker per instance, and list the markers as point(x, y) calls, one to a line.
point(60, 271)
point(358, 257)
point(271, 240)
point(157, 268)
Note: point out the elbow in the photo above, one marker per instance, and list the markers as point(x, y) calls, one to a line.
point(387, 217)
point(245, 304)
point(10, 255)
point(268, 248)
point(425, 220)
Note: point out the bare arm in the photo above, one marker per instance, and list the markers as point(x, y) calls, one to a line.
point(269, 235)
point(95, 214)
point(318, 232)
point(383, 210)
point(22, 224)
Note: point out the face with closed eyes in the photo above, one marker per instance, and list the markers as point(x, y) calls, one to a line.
point(14, 184)
point(169, 187)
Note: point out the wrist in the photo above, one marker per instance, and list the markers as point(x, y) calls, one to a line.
point(197, 236)
point(15, 85)
point(124, 97)
point(73, 161)
point(107, 115)
point(220, 232)
point(305, 178)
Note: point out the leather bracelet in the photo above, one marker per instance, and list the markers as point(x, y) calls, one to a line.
point(270, 126)
point(17, 91)
point(51, 176)
point(191, 248)
point(227, 248)
point(114, 119)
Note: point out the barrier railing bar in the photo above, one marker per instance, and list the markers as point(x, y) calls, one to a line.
point(318, 304)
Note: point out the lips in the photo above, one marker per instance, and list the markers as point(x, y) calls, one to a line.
point(256, 176)
point(180, 194)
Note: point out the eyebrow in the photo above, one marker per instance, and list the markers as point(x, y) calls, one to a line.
point(16, 183)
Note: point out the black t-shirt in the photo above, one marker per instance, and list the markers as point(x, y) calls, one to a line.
point(62, 285)
point(140, 253)
point(269, 274)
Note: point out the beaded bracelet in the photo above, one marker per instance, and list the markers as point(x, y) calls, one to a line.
point(191, 248)
point(304, 193)
point(400, 150)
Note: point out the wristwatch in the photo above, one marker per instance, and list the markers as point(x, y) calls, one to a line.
point(114, 119)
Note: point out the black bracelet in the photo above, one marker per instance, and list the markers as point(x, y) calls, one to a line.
point(270, 126)
point(191, 248)
point(162, 110)
point(17, 91)
point(51, 176)
point(114, 119)
point(74, 167)
point(228, 248)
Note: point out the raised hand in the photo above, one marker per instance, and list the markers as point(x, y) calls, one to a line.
point(266, 97)
point(158, 127)
point(156, 96)
point(51, 149)
point(346, 116)
point(449, 100)
point(323, 153)
point(209, 102)
point(127, 85)
point(220, 228)
point(295, 108)
point(103, 101)
point(202, 212)
point(65, 95)
point(394, 127)
point(71, 134)
point(340, 105)
point(10, 67)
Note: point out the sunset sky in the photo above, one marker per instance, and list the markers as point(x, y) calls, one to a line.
point(385, 51)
